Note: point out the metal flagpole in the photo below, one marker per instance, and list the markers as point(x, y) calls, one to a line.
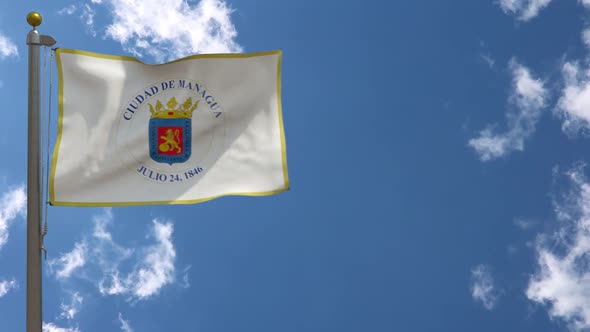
point(34, 307)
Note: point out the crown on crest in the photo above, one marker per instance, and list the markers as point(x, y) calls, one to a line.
point(171, 112)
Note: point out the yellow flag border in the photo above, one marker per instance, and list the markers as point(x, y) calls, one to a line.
point(128, 58)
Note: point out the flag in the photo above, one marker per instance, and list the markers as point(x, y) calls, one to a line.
point(182, 132)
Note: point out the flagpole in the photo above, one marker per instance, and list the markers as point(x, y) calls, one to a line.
point(34, 291)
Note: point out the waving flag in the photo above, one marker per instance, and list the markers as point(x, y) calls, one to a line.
point(178, 133)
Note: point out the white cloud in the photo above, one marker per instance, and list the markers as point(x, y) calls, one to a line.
point(68, 263)
point(87, 17)
point(586, 37)
point(157, 268)
point(523, 9)
point(125, 326)
point(100, 226)
point(51, 327)
point(69, 311)
point(489, 145)
point(69, 10)
point(7, 47)
point(112, 284)
point(574, 103)
point(527, 101)
point(525, 224)
point(562, 281)
point(153, 272)
point(185, 278)
point(100, 249)
point(482, 286)
point(512, 249)
point(153, 269)
point(168, 29)
point(12, 204)
point(6, 286)
point(106, 251)
point(488, 60)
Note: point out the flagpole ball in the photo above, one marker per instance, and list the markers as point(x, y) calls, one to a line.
point(34, 19)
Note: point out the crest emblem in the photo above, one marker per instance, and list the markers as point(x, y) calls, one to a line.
point(170, 131)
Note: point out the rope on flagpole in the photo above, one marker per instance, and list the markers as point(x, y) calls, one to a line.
point(42, 139)
point(43, 110)
point(46, 137)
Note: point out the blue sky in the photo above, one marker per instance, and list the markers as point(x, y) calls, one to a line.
point(437, 154)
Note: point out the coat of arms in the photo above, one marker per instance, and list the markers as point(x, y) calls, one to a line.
point(170, 131)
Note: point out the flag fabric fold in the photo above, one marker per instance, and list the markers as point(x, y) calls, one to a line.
point(183, 132)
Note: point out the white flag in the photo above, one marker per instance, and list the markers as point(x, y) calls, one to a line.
point(178, 133)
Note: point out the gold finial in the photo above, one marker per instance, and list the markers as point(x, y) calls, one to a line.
point(34, 19)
